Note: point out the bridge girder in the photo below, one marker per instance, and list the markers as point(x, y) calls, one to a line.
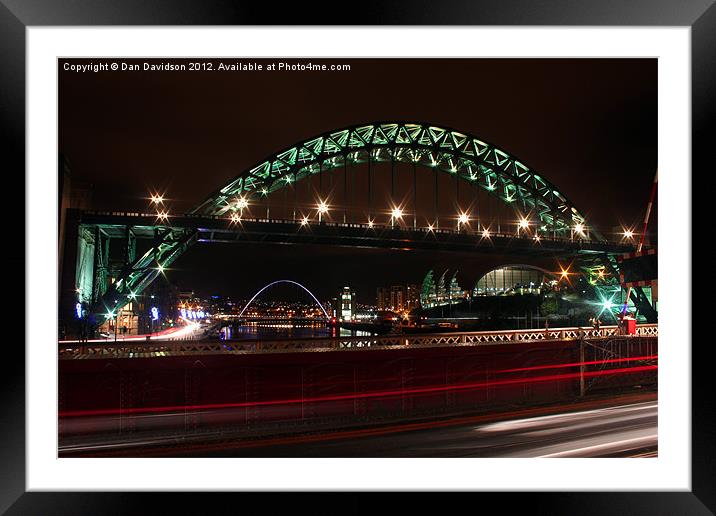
point(169, 242)
point(604, 286)
point(136, 273)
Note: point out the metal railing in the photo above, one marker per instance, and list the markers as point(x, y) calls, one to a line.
point(188, 347)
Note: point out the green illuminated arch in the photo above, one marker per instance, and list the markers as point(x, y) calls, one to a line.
point(450, 151)
point(425, 145)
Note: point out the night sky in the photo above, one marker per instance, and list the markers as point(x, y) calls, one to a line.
point(588, 126)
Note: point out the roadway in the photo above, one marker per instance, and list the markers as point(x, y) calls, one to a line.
point(404, 236)
point(187, 331)
point(619, 427)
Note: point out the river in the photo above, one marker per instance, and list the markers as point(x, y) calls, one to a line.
point(285, 330)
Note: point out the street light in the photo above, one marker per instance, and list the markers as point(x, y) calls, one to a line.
point(157, 199)
point(485, 233)
point(162, 215)
point(370, 223)
point(322, 209)
point(111, 316)
point(565, 274)
point(524, 223)
point(463, 218)
point(395, 214)
point(304, 221)
point(628, 234)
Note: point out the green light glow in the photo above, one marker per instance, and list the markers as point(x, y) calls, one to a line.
point(607, 305)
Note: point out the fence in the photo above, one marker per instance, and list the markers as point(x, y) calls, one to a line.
point(211, 347)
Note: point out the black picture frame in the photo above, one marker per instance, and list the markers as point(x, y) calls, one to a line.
point(17, 15)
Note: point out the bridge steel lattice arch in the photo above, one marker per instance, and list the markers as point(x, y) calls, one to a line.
point(459, 154)
point(258, 293)
point(425, 145)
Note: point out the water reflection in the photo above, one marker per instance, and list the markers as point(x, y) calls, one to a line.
point(273, 330)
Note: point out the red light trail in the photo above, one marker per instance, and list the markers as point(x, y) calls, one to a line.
point(378, 394)
point(390, 429)
point(577, 364)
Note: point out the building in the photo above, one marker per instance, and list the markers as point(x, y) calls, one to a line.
point(383, 299)
point(442, 293)
point(397, 298)
point(348, 304)
point(455, 293)
point(413, 297)
point(513, 279)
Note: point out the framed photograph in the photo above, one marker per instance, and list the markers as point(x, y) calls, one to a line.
point(384, 257)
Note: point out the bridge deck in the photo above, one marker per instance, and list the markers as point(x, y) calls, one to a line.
point(156, 349)
point(220, 229)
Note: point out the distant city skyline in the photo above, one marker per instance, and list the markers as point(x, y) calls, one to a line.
point(372, 269)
